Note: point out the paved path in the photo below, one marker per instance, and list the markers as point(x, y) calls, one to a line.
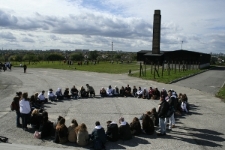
point(203, 128)
point(210, 81)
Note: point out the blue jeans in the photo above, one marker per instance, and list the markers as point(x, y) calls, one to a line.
point(18, 118)
point(162, 125)
point(52, 98)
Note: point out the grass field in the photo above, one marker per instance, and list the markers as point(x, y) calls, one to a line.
point(221, 94)
point(102, 67)
point(165, 78)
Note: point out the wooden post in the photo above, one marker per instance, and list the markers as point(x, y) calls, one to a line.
point(168, 68)
point(162, 68)
point(140, 70)
point(158, 65)
point(151, 66)
point(175, 67)
point(154, 69)
point(172, 65)
point(145, 69)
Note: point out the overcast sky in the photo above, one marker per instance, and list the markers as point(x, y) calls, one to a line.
point(95, 24)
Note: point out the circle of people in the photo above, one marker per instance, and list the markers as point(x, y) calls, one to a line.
point(32, 112)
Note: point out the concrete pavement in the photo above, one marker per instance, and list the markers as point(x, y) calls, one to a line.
point(203, 128)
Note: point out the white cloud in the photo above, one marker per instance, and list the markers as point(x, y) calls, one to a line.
point(72, 24)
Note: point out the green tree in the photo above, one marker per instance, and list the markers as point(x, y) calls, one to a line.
point(77, 57)
point(93, 55)
point(54, 57)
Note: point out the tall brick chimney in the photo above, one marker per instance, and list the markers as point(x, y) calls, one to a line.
point(156, 33)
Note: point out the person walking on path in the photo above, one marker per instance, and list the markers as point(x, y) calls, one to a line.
point(25, 68)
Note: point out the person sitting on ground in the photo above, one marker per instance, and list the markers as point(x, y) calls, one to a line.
point(83, 92)
point(74, 92)
point(66, 93)
point(150, 92)
point(98, 135)
point(184, 106)
point(127, 91)
point(145, 94)
point(35, 119)
point(59, 94)
point(34, 103)
point(42, 98)
point(134, 93)
point(139, 92)
point(90, 90)
point(103, 92)
point(156, 94)
point(163, 92)
point(116, 91)
point(46, 127)
point(51, 95)
point(25, 110)
point(147, 125)
point(112, 131)
point(82, 135)
point(61, 134)
point(185, 98)
point(109, 91)
point(124, 130)
point(154, 116)
point(122, 92)
point(72, 137)
point(135, 127)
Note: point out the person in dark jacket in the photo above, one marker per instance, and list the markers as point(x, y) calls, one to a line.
point(135, 127)
point(112, 131)
point(124, 130)
point(163, 109)
point(16, 106)
point(74, 92)
point(66, 93)
point(154, 116)
point(98, 135)
point(61, 133)
point(35, 119)
point(46, 127)
point(134, 93)
point(147, 125)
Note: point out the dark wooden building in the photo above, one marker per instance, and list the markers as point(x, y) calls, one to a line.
point(176, 56)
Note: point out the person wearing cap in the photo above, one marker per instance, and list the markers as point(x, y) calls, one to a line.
point(124, 130)
point(90, 90)
point(109, 91)
point(51, 95)
point(163, 109)
point(98, 135)
point(41, 97)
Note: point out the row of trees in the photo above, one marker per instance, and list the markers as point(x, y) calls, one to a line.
point(74, 56)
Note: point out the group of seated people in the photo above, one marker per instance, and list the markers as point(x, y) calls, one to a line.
point(127, 92)
point(77, 133)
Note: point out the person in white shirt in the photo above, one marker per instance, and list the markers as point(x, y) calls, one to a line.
point(25, 110)
point(139, 92)
point(41, 97)
point(51, 95)
point(109, 91)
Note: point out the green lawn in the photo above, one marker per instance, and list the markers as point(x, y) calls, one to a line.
point(221, 94)
point(165, 78)
point(102, 67)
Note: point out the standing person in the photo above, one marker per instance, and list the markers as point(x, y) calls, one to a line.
point(163, 109)
point(98, 136)
point(25, 110)
point(25, 68)
point(172, 104)
point(82, 135)
point(16, 107)
point(112, 131)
